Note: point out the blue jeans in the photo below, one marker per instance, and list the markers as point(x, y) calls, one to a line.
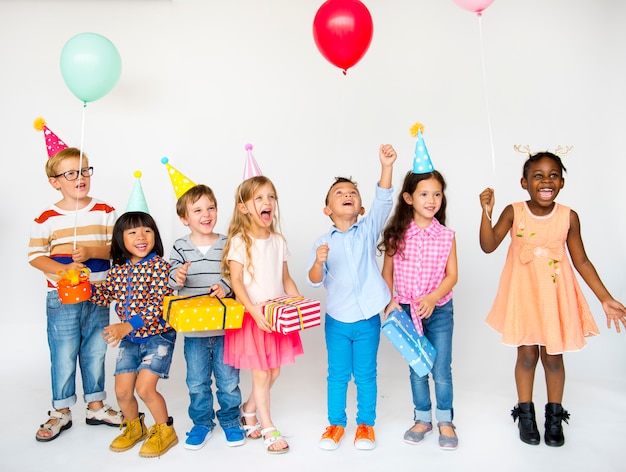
point(438, 329)
point(205, 357)
point(155, 355)
point(75, 333)
point(352, 351)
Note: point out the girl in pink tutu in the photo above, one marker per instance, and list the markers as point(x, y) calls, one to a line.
point(255, 260)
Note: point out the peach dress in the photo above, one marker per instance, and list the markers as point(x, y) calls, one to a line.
point(539, 300)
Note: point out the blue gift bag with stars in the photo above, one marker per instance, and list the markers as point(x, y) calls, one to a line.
point(416, 349)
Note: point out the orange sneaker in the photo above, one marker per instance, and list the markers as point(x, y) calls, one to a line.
point(364, 438)
point(331, 438)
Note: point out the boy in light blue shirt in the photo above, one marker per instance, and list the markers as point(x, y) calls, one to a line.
point(344, 261)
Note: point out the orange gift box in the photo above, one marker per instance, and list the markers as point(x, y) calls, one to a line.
point(192, 313)
point(74, 286)
point(287, 314)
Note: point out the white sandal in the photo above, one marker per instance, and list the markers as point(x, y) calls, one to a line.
point(62, 421)
point(273, 439)
point(105, 415)
point(249, 428)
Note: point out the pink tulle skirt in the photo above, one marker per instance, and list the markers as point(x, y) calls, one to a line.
point(252, 348)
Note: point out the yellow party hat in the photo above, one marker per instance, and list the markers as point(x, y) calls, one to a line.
point(180, 183)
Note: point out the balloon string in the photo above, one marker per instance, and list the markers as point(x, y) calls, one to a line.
point(80, 173)
point(482, 55)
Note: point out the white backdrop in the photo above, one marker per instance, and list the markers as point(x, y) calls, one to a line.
point(201, 78)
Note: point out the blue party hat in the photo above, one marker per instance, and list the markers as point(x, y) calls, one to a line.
point(137, 201)
point(421, 162)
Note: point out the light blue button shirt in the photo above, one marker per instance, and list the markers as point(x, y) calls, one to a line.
point(351, 276)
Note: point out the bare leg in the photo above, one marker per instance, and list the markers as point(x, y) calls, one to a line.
point(555, 375)
point(262, 381)
point(527, 358)
point(147, 391)
point(125, 393)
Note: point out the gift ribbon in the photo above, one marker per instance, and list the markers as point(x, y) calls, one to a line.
point(269, 313)
point(418, 341)
point(74, 276)
point(187, 297)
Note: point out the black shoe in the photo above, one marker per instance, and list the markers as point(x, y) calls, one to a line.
point(554, 430)
point(525, 414)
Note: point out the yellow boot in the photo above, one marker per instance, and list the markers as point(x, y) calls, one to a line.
point(134, 431)
point(161, 438)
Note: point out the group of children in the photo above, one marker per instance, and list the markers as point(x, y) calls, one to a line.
point(250, 264)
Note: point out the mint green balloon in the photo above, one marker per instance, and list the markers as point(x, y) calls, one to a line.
point(91, 66)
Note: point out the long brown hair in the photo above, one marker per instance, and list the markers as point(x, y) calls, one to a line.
point(393, 234)
point(241, 223)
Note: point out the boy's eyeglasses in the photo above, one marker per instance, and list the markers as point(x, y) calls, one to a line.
point(73, 174)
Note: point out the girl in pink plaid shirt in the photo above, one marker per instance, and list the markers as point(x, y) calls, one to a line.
point(420, 268)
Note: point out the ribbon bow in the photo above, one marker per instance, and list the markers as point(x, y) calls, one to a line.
point(74, 276)
point(552, 251)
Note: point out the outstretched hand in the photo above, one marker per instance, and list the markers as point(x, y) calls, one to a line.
point(615, 313)
point(387, 154)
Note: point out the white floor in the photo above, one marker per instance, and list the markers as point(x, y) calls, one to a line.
point(484, 395)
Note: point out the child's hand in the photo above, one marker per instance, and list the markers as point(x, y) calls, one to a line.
point(321, 253)
point(387, 154)
point(256, 312)
point(425, 306)
point(393, 305)
point(80, 254)
point(615, 312)
point(487, 200)
point(181, 273)
point(216, 290)
point(74, 265)
point(114, 333)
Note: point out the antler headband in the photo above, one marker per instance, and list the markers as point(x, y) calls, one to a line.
point(559, 151)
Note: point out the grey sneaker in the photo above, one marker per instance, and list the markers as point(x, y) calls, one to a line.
point(447, 443)
point(413, 437)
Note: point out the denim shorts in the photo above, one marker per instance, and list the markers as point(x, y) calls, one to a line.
point(155, 355)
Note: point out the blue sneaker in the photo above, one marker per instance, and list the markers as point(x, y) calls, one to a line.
point(235, 436)
point(197, 437)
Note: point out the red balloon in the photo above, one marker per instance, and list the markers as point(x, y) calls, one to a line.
point(342, 30)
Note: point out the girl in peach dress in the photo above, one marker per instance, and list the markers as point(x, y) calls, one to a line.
point(539, 307)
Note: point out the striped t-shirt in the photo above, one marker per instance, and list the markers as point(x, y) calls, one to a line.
point(54, 232)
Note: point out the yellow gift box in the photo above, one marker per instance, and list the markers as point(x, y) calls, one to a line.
point(193, 313)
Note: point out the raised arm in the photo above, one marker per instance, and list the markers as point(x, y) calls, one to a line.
point(387, 156)
point(491, 236)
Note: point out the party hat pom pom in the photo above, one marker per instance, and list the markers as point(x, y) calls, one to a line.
point(248, 147)
point(416, 128)
point(137, 174)
point(164, 160)
point(39, 123)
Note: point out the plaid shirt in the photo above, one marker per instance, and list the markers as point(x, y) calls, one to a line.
point(421, 266)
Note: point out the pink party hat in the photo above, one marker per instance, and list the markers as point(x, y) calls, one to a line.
point(180, 182)
point(251, 169)
point(53, 143)
point(137, 201)
point(421, 162)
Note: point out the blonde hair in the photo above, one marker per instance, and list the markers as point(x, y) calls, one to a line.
point(241, 223)
point(52, 164)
